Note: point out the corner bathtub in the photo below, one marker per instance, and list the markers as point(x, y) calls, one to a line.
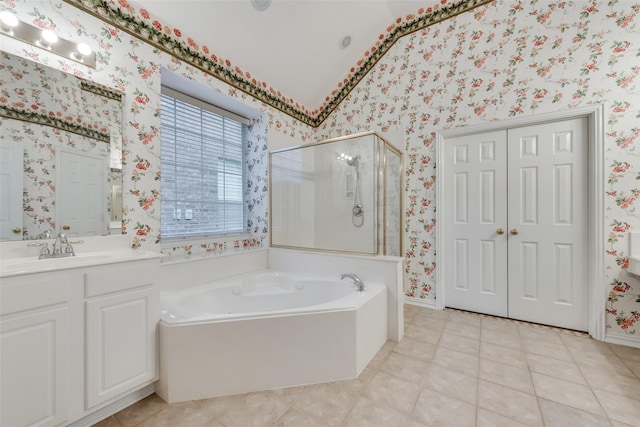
point(266, 330)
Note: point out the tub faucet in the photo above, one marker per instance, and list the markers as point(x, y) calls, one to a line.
point(356, 280)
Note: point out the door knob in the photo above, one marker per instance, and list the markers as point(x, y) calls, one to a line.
point(514, 231)
point(500, 231)
point(17, 230)
point(66, 227)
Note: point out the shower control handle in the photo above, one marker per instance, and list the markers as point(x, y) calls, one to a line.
point(358, 210)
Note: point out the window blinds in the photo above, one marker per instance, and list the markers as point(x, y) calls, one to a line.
point(202, 173)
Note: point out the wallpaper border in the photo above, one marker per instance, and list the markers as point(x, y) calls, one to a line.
point(46, 120)
point(119, 18)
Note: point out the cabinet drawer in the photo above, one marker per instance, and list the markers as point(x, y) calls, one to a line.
point(31, 291)
point(119, 277)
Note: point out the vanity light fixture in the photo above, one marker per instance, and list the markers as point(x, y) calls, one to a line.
point(12, 27)
point(8, 21)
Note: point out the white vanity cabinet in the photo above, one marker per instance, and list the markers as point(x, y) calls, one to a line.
point(75, 342)
point(121, 308)
point(34, 349)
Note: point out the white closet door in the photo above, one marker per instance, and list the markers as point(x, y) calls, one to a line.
point(475, 258)
point(548, 247)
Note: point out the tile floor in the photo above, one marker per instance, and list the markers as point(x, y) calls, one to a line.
point(451, 369)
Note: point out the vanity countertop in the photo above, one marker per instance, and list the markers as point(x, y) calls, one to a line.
point(29, 265)
point(21, 257)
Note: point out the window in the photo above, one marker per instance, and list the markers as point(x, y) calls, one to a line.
point(202, 181)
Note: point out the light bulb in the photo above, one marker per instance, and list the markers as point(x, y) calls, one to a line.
point(8, 19)
point(83, 49)
point(48, 37)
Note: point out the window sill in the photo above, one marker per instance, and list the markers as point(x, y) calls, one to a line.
point(177, 242)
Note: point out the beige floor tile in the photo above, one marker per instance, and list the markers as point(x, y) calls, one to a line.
point(405, 367)
point(619, 424)
point(619, 384)
point(461, 344)
point(294, 417)
point(585, 344)
point(626, 353)
point(108, 422)
point(423, 334)
point(547, 349)
point(571, 394)
point(186, 414)
point(558, 415)
point(254, 409)
point(357, 385)
point(464, 318)
point(501, 339)
point(415, 423)
point(508, 356)
point(503, 326)
point(555, 368)
point(327, 402)
point(289, 394)
point(433, 323)
point(463, 330)
point(491, 419)
point(141, 410)
point(601, 362)
point(518, 406)
point(367, 413)
point(535, 334)
point(620, 408)
point(456, 361)
point(452, 384)
point(379, 358)
point(436, 409)
point(634, 367)
point(417, 349)
point(393, 392)
point(508, 376)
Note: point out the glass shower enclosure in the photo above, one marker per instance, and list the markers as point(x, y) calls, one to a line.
point(338, 195)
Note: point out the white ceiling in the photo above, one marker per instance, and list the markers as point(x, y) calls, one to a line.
point(293, 46)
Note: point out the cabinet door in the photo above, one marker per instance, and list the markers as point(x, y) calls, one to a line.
point(34, 368)
point(121, 343)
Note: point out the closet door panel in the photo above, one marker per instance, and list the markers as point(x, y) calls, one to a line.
point(547, 174)
point(474, 262)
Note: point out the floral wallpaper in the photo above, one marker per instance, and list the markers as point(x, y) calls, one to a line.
point(509, 58)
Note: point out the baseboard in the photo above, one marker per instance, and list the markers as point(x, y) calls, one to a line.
point(628, 340)
point(428, 303)
point(115, 407)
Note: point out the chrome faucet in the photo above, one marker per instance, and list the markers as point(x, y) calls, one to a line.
point(356, 280)
point(57, 251)
point(61, 239)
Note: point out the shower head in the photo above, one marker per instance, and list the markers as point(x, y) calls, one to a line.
point(351, 161)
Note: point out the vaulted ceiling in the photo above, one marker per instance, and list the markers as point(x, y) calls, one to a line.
point(291, 54)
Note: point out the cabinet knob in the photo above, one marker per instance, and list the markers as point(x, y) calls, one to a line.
point(17, 230)
point(514, 231)
point(500, 231)
point(66, 227)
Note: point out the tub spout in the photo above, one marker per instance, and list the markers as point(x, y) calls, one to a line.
point(356, 280)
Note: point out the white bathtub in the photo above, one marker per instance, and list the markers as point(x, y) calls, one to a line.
point(266, 330)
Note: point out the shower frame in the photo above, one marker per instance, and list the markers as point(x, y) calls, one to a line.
point(381, 192)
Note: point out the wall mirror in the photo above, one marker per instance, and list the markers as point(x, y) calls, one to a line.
point(60, 153)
